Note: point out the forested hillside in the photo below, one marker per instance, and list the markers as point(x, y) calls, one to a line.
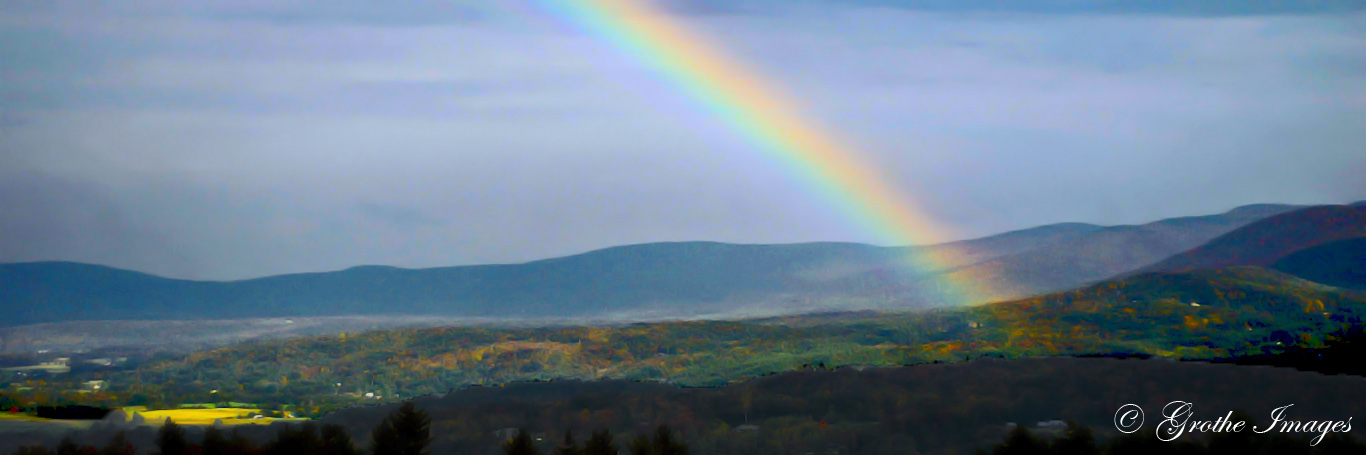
point(1264, 242)
point(1210, 314)
point(1339, 263)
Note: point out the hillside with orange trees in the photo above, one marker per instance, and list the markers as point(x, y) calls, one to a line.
point(1208, 314)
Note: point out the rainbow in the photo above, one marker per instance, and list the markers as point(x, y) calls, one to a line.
point(772, 124)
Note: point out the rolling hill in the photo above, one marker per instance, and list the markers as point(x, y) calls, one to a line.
point(638, 281)
point(1340, 263)
point(1107, 252)
point(1242, 313)
point(1266, 241)
point(1205, 314)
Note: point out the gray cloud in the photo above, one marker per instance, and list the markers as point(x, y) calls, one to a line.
point(228, 141)
point(407, 217)
point(1085, 7)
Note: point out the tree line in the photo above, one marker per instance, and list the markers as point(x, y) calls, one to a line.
point(1080, 440)
point(406, 431)
point(946, 409)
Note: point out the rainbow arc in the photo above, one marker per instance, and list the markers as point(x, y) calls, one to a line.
point(772, 124)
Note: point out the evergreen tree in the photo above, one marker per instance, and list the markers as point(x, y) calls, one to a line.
point(520, 445)
point(640, 445)
point(214, 443)
point(239, 444)
point(118, 445)
point(664, 443)
point(600, 443)
point(1020, 442)
point(406, 431)
point(384, 440)
point(171, 439)
point(291, 441)
point(569, 447)
point(335, 441)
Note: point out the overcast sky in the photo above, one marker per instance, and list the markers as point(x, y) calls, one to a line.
point(245, 139)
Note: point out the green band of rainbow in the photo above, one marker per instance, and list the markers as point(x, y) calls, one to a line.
point(736, 95)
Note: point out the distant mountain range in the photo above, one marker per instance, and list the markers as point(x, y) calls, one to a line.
point(1266, 241)
point(1242, 312)
point(1264, 290)
point(1108, 251)
point(661, 279)
point(1325, 244)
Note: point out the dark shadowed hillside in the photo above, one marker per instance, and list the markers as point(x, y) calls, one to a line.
point(1264, 242)
point(925, 409)
point(1106, 252)
point(637, 281)
point(1341, 263)
point(932, 409)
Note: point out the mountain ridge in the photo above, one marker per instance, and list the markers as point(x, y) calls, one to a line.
point(1265, 241)
point(1073, 226)
point(1111, 251)
point(669, 279)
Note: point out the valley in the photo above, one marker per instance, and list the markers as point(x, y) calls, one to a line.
point(303, 367)
point(682, 227)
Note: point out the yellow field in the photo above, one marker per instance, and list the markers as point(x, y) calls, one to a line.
point(193, 416)
point(25, 417)
point(230, 416)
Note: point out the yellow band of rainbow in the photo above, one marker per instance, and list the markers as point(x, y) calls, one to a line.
point(736, 95)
